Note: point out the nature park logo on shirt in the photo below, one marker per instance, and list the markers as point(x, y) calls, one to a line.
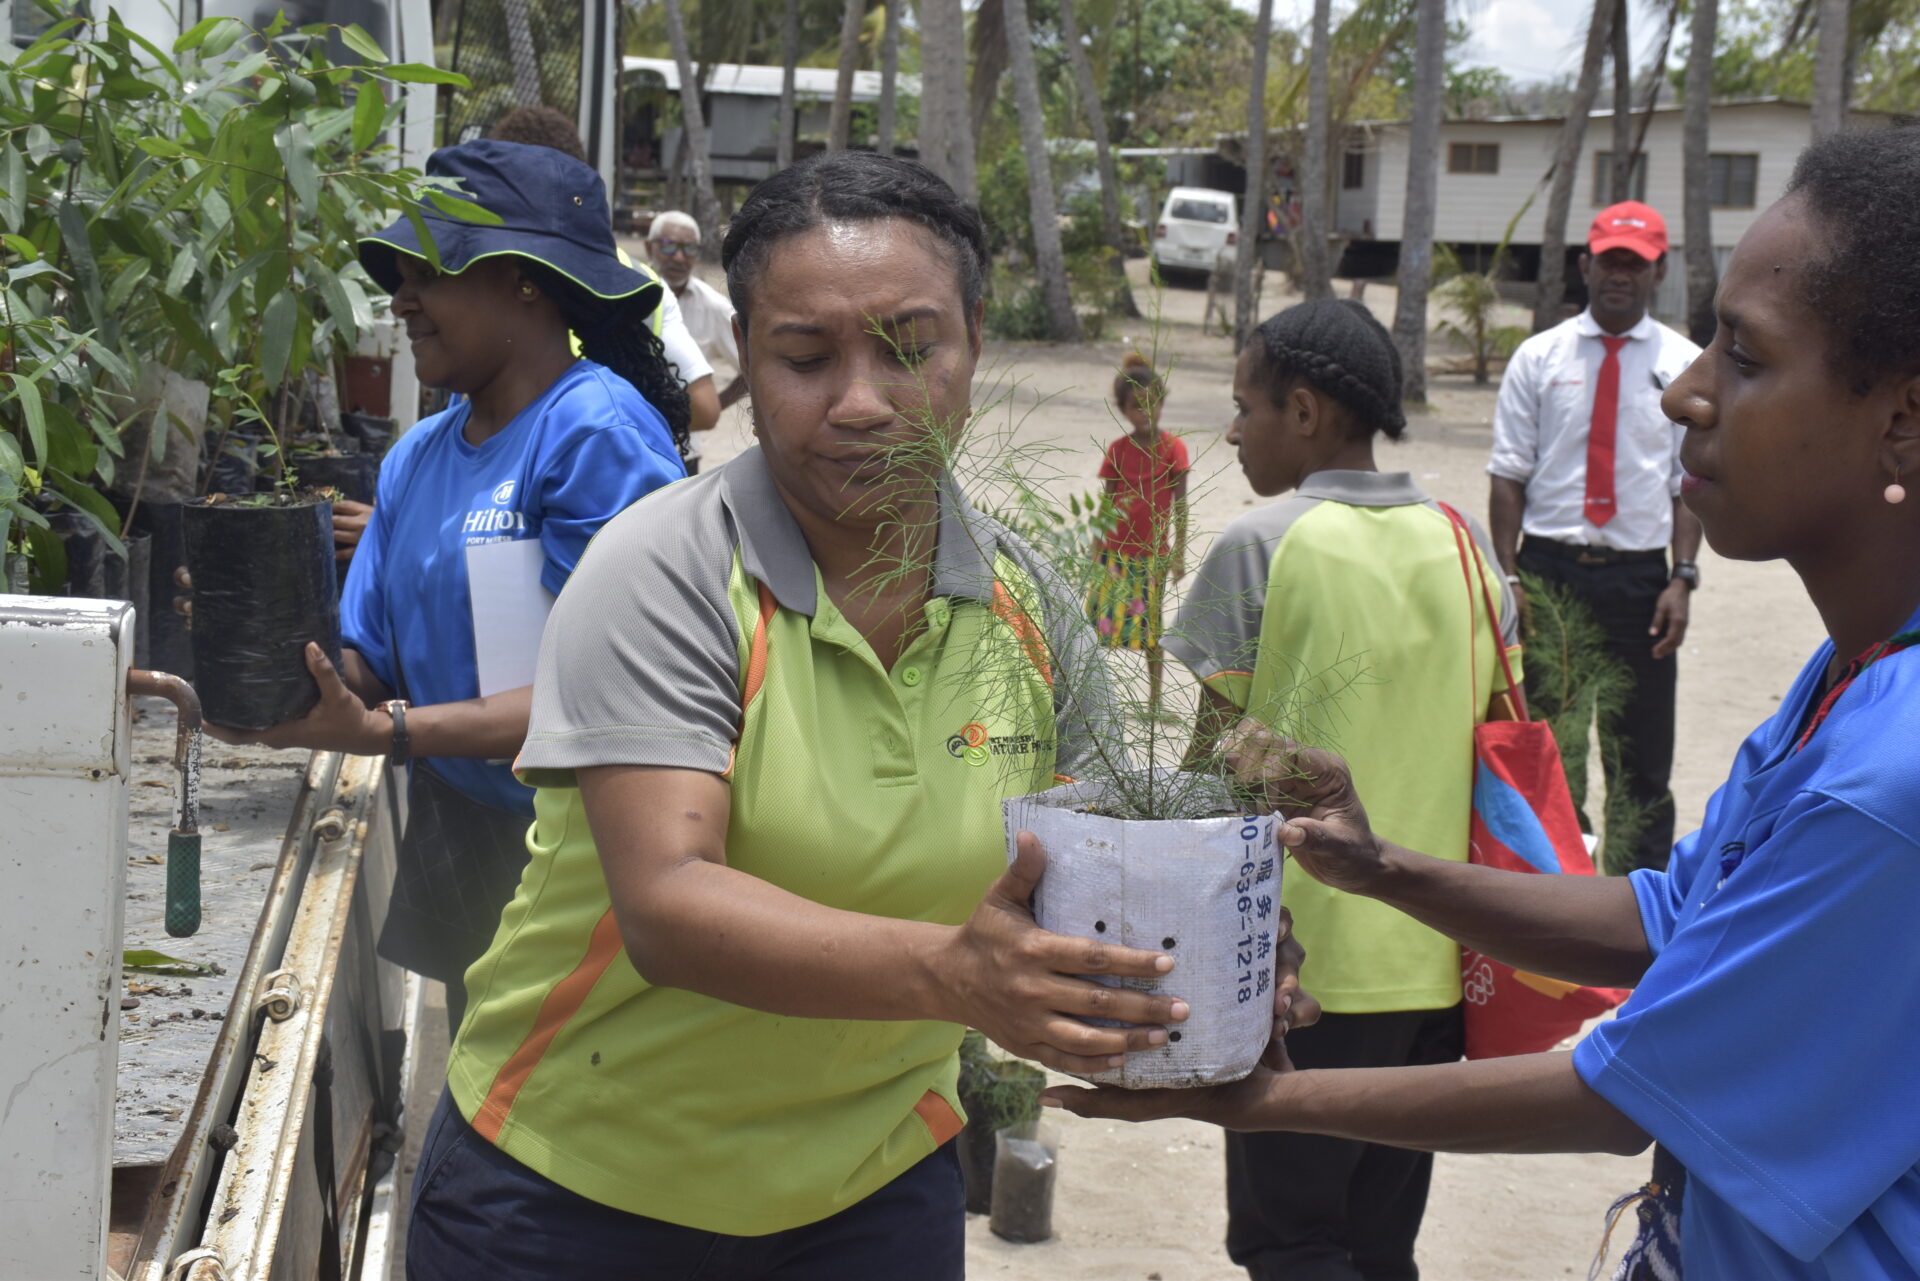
point(974, 745)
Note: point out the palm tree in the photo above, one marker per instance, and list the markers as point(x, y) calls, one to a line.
point(1253, 213)
point(693, 134)
point(1316, 272)
point(889, 75)
point(1103, 153)
point(789, 59)
point(1049, 259)
point(1566, 166)
point(989, 62)
point(1830, 69)
point(840, 114)
point(1696, 190)
point(946, 143)
point(1623, 153)
point(1423, 186)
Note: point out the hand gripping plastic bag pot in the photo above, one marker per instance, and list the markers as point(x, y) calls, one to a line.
point(263, 586)
point(1205, 891)
point(1523, 821)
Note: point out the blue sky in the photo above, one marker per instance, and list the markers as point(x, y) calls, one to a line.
point(1527, 39)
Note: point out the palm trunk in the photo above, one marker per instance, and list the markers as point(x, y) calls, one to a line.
point(840, 114)
point(1253, 211)
point(946, 143)
point(1095, 110)
point(1049, 259)
point(1566, 166)
point(1423, 186)
point(789, 59)
point(1830, 66)
point(989, 61)
point(526, 67)
point(889, 76)
point(693, 135)
point(1622, 106)
point(1696, 192)
point(1316, 272)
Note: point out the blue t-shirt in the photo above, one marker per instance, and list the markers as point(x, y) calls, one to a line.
point(1774, 1044)
point(589, 447)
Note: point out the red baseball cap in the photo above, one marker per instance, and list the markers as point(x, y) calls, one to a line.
point(1628, 225)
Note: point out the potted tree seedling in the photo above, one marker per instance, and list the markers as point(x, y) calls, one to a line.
point(283, 150)
point(1145, 847)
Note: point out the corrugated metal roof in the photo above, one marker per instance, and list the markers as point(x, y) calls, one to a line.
point(754, 81)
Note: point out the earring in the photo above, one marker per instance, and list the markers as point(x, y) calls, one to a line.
point(527, 291)
point(1895, 493)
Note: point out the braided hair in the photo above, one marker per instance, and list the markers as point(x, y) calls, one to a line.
point(1339, 349)
point(1867, 284)
point(852, 186)
point(616, 333)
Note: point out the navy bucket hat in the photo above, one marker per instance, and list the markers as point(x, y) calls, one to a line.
point(552, 209)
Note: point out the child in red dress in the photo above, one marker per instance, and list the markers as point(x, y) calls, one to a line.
point(1145, 473)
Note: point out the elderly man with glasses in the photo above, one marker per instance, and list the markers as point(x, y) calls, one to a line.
point(673, 241)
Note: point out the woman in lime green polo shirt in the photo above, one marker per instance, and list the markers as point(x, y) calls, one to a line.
point(715, 1035)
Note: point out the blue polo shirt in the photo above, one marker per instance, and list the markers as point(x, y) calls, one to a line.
point(580, 454)
point(1774, 1044)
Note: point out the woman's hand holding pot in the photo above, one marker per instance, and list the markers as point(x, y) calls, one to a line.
point(1021, 985)
point(339, 722)
point(1230, 1105)
point(349, 527)
point(1326, 826)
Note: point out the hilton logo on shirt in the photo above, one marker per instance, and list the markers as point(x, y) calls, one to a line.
point(976, 747)
point(483, 521)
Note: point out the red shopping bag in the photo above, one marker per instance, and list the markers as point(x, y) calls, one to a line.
point(1523, 821)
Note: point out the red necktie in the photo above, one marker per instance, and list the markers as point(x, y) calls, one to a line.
point(1606, 413)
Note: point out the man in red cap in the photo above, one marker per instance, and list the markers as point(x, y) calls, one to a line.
point(1586, 495)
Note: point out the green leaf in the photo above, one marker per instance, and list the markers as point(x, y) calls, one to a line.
point(28, 270)
point(196, 35)
point(39, 143)
point(369, 113)
point(13, 186)
point(165, 148)
point(355, 37)
point(129, 280)
point(425, 233)
point(339, 306)
point(189, 328)
point(34, 413)
point(146, 960)
point(421, 73)
point(20, 245)
point(298, 149)
point(89, 503)
point(223, 38)
point(128, 89)
point(48, 556)
point(457, 207)
point(13, 464)
point(276, 337)
point(358, 305)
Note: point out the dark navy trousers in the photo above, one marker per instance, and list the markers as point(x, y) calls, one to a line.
point(477, 1212)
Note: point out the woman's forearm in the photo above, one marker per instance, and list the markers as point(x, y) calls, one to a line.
point(491, 727)
point(1580, 929)
point(1528, 1103)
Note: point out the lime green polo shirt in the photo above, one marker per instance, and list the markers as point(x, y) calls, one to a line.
point(695, 634)
point(1341, 615)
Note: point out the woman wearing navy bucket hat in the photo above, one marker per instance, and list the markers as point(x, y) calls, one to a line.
point(483, 512)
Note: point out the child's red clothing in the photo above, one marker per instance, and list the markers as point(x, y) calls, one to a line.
point(1142, 483)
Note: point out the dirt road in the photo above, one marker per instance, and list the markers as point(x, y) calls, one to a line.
point(1137, 1203)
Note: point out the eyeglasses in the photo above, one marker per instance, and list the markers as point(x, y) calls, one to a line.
point(676, 249)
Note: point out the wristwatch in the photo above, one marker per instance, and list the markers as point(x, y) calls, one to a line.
point(1687, 572)
point(402, 750)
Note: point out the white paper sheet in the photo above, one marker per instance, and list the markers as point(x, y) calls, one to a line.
point(510, 608)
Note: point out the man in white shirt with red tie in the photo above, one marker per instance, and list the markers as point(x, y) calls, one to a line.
point(1586, 495)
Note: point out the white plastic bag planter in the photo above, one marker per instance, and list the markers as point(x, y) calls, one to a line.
point(1205, 891)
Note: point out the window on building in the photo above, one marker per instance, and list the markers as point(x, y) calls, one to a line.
point(1353, 171)
point(1603, 178)
point(1473, 157)
point(1732, 180)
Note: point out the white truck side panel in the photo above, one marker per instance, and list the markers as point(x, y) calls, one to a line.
point(64, 759)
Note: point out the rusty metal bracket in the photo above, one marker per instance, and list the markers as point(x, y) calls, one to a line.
point(202, 1264)
point(183, 842)
point(330, 826)
point(279, 995)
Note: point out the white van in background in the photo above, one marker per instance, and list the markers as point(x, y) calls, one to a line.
point(1198, 226)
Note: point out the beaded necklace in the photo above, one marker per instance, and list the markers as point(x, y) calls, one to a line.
point(1873, 654)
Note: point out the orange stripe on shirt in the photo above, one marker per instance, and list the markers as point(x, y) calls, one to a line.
point(1008, 610)
point(757, 652)
point(562, 1003)
point(941, 1120)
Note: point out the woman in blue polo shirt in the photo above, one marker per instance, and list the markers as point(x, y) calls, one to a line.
point(1769, 1044)
point(541, 446)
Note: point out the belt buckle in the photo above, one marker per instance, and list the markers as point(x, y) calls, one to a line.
point(1588, 556)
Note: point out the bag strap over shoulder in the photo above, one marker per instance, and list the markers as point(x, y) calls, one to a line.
point(1470, 560)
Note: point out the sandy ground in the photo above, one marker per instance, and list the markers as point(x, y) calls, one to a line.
point(1145, 1203)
